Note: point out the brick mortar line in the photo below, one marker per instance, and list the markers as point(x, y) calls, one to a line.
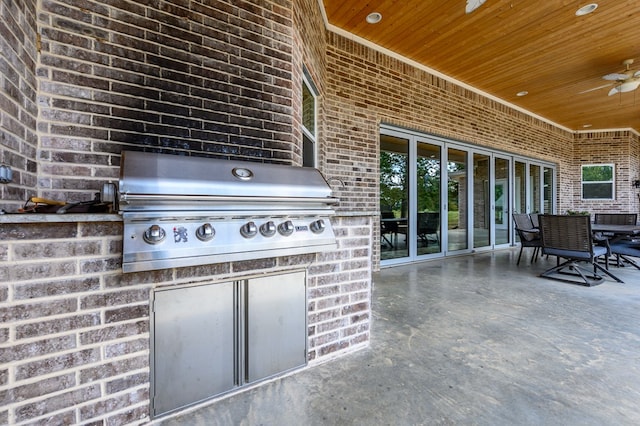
point(77, 369)
point(75, 333)
point(75, 408)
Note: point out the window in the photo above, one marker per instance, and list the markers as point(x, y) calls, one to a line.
point(598, 182)
point(309, 132)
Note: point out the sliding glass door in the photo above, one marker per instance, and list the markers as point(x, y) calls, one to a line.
point(482, 203)
point(440, 197)
point(534, 187)
point(501, 197)
point(457, 200)
point(394, 197)
point(429, 199)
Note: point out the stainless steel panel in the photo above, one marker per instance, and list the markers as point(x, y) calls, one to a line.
point(276, 325)
point(193, 352)
point(150, 174)
point(181, 248)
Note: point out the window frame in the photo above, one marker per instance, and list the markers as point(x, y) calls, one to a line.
point(310, 134)
point(585, 183)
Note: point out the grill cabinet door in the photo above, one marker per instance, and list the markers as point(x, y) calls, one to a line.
point(276, 325)
point(193, 352)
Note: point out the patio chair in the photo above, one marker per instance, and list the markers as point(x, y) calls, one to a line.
point(624, 249)
point(428, 224)
point(569, 237)
point(616, 218)
point(608, 238)
point(529, 236)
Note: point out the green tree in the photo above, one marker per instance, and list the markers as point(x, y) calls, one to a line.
point(393, 182)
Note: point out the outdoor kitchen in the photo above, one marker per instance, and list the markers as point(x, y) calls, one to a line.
point(89, 339)
point(171, 250)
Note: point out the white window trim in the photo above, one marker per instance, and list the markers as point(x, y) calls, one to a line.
point(612, 182)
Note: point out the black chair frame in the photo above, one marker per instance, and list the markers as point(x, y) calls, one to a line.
point(528, 234)
point(569, 237)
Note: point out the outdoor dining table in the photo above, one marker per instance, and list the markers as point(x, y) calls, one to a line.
point(619, 231)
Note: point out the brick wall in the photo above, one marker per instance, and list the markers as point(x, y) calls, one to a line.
point(204, 78)
point(18, 92)
point(619, 148)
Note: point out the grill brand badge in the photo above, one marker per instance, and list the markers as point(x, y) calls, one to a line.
point(180, 234)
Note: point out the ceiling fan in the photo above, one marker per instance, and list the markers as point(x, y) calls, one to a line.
point(626, 81)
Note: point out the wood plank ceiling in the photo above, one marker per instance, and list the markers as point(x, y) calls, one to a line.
point(508, 46)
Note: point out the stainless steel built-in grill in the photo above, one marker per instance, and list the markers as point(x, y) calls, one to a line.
point(184, 211)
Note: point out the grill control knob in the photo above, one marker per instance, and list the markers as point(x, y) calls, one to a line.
point(249, 230)
point(205, 232)
point(268, 229)
point(286, 228)
point(154, 234)
point(317, 226)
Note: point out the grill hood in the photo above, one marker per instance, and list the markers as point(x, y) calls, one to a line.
point(150, 181)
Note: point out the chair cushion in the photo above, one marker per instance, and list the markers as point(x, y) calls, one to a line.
point(627, 249)
point(574, 254)
point(530, 235)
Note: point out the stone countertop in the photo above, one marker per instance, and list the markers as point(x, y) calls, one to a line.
point(58, 218)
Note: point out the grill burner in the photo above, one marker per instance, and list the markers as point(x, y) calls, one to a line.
point(185, 211)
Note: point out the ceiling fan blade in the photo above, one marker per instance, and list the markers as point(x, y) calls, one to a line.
point(637, 74)
point(595, 88)
point(473, 5)
point(615, 76)
point(614, 90)
point(628, 86)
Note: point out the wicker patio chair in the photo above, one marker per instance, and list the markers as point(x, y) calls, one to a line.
point(569, 237)
point(616, 218)
point(529, 236)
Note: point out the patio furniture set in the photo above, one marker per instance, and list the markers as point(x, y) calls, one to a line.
point(581, 247)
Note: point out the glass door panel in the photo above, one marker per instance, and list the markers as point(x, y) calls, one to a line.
point(457, 208)
point(429, 199)
point(481, 200)
point(520, 205)
point(394, 197)
point(501, 219)
point(548, 190)
point(535, 189)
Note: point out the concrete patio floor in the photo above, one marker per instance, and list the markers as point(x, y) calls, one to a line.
point(472, 340)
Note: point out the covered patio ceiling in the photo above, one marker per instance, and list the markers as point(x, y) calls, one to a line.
point(506, 47)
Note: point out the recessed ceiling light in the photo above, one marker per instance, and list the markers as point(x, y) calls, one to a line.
point(523, 93)
point(586, 125)
point(585, 10)
point(374, 18)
